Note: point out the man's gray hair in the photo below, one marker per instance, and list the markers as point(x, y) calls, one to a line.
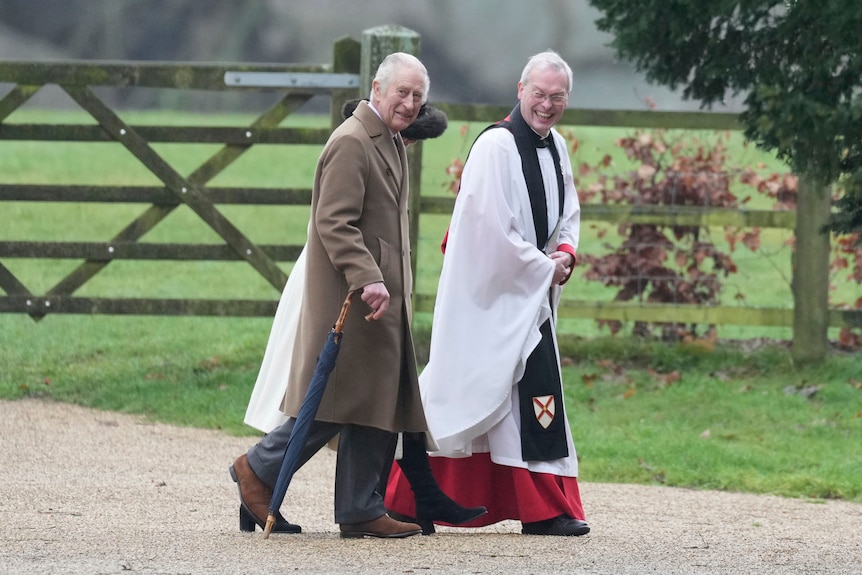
point(396, 60)
point(547, 59)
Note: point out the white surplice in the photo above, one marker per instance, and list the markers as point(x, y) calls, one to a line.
point(492, 299)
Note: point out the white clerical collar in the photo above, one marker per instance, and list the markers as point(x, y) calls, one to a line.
point(540, 136)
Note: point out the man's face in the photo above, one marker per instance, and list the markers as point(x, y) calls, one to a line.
point(543, 98)
point(399, 104)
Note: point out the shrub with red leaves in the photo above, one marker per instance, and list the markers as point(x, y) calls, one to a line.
point(666, 263)
point(676, 263)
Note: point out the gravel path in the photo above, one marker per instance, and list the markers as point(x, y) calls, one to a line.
point(91, 492)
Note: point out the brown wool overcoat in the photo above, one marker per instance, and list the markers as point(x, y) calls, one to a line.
point(358, 234)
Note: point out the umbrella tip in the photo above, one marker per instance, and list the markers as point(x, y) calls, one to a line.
point(270, 522)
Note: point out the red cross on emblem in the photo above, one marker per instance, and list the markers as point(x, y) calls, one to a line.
point(544, 408)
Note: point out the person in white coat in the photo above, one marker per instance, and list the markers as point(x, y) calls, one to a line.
point(492, 390)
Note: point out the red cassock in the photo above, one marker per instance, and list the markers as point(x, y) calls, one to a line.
point(507, 492)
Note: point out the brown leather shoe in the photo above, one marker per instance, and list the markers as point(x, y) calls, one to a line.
point(384, 527)
point(254, 498)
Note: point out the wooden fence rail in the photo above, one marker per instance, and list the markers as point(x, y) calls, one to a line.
point(340, 80)
point(78, 79)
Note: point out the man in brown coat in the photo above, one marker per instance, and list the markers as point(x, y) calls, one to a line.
point(358, 241)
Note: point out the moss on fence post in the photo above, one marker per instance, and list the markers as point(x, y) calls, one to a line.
point(811, 273)
point(346, 57)
point(377, 43)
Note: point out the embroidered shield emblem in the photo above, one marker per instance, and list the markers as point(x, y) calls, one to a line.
point(545, 408)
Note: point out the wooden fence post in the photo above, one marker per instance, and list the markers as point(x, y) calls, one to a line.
point(811, 273)
point(377, 43)
point(346, 58)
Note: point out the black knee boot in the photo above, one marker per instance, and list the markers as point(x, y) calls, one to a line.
point(431, 503)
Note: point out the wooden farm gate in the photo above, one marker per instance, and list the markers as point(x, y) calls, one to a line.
point(342, 80)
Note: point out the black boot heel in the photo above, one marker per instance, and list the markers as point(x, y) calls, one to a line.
point(427, 526)
point(246, 520)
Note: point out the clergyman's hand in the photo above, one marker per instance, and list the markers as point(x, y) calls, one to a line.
point(562, 266)
point(377, 297)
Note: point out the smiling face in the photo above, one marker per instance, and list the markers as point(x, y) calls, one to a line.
point(398, 102)
point(543, 98)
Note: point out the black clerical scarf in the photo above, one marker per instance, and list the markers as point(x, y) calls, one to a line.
point(527, 141)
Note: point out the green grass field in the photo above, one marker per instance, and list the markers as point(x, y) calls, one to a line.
point(736, 417)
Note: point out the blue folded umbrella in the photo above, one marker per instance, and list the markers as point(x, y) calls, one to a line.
point(306, 415)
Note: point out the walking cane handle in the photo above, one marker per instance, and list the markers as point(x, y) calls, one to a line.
point(345, 307)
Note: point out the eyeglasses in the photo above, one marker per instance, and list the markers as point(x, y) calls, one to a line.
point(555, 99)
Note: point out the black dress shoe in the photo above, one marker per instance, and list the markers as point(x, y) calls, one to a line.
point(561, 525)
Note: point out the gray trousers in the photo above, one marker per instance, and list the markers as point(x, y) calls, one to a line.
point(361, 470)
